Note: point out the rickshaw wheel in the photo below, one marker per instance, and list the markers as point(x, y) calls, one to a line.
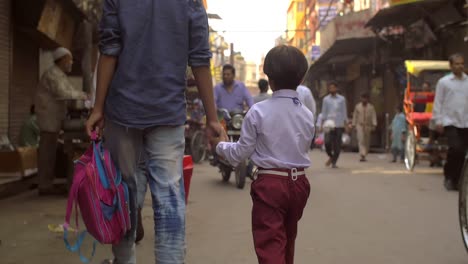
point(462, 203)
point(410, 151)
point(197, 146)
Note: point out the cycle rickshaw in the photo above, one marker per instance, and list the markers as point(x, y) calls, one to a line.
point(422, 142)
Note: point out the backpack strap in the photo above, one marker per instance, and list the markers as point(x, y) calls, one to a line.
point(77, 246)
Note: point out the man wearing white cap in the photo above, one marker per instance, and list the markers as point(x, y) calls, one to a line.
point(54, 88)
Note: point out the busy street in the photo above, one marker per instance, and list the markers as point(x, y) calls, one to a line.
point(234, 132)
point(359, 213)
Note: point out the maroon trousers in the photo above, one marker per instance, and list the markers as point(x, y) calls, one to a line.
point(278, 203)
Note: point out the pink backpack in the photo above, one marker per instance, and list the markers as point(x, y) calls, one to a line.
point(102, 198)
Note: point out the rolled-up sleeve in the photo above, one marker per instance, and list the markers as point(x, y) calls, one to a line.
point(236, 152)
point(199, 47)
point(110, 42)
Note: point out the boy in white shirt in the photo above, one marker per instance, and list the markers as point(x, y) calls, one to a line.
point(276, 135)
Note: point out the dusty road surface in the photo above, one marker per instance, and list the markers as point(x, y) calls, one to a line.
point(372, 212)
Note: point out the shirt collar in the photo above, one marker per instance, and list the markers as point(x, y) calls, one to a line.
point(285, 93)
point(233, 85)
point(464, 76)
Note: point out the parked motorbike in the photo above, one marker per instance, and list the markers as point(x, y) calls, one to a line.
point(232, 122)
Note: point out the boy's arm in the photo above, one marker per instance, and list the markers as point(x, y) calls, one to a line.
point(110, 46)
point(236, 152)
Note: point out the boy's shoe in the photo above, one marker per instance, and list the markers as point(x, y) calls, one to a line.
point(363, 159)
point(328, 163)
point(334, 166)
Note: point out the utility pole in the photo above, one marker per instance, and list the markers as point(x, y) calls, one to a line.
point(231, 58)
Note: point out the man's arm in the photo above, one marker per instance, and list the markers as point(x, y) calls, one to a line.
point(110, 46)
point(199, 60)
point(62, 89)
point(437, 113)
point(324, 111)
point(248, 99)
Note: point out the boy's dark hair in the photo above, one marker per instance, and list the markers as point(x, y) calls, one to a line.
point(455, 56)
point(365, 95)
point(263, 85)
point(334, 83)
point(32, 110)
point(229, 67)
point(285, 66)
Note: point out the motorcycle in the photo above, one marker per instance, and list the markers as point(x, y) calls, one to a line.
point(232, 122)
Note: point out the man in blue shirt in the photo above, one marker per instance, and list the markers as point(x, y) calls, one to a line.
point(231, 94)
point(145, 47)
point(335, 119)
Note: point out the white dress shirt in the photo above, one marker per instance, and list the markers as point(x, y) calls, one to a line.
point(276, 133)
point(451, 101)
point(306, 97)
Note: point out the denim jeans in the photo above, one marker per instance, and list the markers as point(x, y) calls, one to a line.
point(163, 147)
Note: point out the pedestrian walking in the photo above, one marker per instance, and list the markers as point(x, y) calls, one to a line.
point(450, 114)
point(263, 87)
point(281, 189)
point(335, 119)
point(54, 88)
point(365, 121)
point(144, 52)
point(398, 134)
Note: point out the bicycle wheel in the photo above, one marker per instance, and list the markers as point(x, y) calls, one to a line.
point(410, 151)
point(462, 203)
point(198, 147)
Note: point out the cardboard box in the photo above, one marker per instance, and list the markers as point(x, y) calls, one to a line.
point(19, 162)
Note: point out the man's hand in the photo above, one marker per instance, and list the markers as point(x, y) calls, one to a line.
point(440, 129)
point(214, 129)
point(95, 123)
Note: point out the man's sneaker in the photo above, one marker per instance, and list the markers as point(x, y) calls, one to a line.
point(328, 163)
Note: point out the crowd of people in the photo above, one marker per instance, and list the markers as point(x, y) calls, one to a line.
point(140, 110)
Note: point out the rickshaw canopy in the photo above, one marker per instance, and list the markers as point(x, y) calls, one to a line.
point(415, 67)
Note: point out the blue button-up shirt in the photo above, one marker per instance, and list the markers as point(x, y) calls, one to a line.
point(334, 108)
point(233, 100)
point(276, 133)
point(154, 41)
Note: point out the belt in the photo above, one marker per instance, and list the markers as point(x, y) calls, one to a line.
point(293, 173)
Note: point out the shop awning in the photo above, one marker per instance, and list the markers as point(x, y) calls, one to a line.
point(341, 52)
point(343, 49)
point(406, 14)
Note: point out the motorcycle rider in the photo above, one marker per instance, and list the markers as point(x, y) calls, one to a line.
point(231, 94)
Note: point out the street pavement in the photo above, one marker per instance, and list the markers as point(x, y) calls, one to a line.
point(373, 212)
